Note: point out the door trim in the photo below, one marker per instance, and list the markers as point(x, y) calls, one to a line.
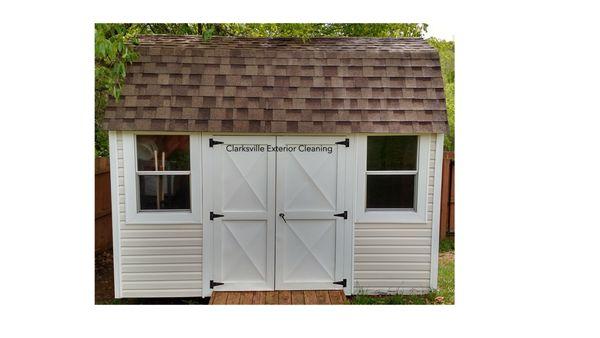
point(207, 205)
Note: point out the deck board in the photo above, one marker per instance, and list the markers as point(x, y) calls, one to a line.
point(234, 297)
point(337, 297)
point(218, 298)
point(287, 297)
point(272, 298)
point(297, 297)
point(247, 297)
point(322, 297)
point(259, 298)
point(310, 297)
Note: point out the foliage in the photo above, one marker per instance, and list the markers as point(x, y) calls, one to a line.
point(113, 52)
point(313, 30)
point(447, 244)
point(446, 51)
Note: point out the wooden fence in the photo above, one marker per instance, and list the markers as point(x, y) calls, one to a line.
point(447, 207)
point(103, 224)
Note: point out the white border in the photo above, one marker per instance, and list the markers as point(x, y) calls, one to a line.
point(114, 196)
point(132, 215)
point(419, 216)
point(435, 222)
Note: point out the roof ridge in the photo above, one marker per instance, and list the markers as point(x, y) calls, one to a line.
point(321, 43)
point(286, 38)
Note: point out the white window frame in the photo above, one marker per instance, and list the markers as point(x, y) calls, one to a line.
point(132, 213)
point(416, 215)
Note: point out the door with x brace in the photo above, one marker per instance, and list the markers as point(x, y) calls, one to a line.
point(309, 227)
point(243, 214)
point(277, 217)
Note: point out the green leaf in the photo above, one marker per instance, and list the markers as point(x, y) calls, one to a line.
point(208, 33)
point(121, 68)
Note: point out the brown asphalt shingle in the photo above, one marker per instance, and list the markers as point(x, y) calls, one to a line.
point(332, 85)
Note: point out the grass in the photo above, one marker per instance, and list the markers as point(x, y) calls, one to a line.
point(443, 295)
point(447, 245)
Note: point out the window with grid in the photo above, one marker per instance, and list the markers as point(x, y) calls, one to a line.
point(391, 175)
point(163, 172)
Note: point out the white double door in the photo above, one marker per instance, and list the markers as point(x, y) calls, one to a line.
point(274, 213)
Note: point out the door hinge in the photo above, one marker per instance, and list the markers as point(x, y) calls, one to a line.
point(212, 142)
point(213, 283)
point(213, 215)
point(342, 282)
point(342, 214)
point(345, 142)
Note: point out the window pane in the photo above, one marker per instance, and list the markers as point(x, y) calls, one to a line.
point(392, 152)
point(163, 152)
point(391, 191)
point(164, 192)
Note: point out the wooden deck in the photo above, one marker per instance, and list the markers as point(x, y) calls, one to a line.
point(318, 297)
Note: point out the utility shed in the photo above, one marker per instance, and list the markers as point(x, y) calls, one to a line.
point(273, 164)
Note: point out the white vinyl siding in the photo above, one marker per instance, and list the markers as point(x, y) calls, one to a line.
point(157, 260)
point(392, 258)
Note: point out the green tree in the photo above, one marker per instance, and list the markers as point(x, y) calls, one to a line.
point(446, 51)
point(112, 54)
point(312, 30)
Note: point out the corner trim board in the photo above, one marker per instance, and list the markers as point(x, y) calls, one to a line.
point(114, 187)
point(435, 222)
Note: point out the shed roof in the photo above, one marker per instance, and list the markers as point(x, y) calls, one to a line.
point(329, 85)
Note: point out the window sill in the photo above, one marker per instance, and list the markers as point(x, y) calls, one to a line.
point(391, 217)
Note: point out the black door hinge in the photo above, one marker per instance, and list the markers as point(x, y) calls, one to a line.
point(213, 283)
point(212, 142)
point(213, 215)
point(345, 142)
point(342, 214)
point(342, 282)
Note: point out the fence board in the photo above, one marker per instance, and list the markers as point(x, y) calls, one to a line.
point(447, 203)
point(103, 219)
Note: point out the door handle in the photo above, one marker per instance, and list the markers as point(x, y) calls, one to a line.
point(282, 217)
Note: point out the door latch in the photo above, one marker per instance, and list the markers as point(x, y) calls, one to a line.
point(283, 217)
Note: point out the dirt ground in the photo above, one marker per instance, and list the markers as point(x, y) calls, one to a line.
point(446, 257)
point(104, 288)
